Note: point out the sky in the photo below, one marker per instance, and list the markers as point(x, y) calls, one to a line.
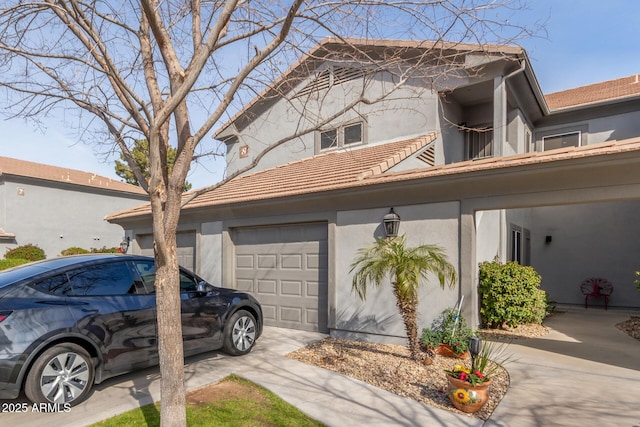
point(586, 41)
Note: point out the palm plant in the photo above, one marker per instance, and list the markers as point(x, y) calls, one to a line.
point(408, 267)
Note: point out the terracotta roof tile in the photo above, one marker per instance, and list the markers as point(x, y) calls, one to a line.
point(324, 172)
point(15, 167)
point(352, 169)
point(566, 153)
point(599, 92)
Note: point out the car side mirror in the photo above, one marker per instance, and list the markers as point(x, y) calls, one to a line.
point(202, 287)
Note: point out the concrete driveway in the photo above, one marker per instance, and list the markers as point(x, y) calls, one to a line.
point(585, 372)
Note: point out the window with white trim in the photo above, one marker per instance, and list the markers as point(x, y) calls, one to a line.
point(519, 245)
point(350, 134)
point(561, 140)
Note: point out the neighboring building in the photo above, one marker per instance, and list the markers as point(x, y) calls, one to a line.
point(473, 158)
point(56, 208)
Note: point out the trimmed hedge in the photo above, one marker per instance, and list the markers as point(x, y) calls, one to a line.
point(74, 250)
point(29, 252)
point(12, 262)
point(510, 295)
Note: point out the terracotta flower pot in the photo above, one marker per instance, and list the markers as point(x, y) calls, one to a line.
point(466, 397)
point(447, 351)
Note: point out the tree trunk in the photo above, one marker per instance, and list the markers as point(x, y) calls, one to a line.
point(408, 311)
point(170, 349)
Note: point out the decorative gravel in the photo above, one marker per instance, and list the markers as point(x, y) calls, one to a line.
point(631, 327)
point(389, 367)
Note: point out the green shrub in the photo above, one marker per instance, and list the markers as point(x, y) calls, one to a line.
point(510, 295)
point(105, 250)
point(74, 250)
point(29, 252)
point(13, 262)
point(442, 332)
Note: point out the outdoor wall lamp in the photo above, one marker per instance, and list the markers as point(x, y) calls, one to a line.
point(475, 347)
point(391, 223)
point(548, 239)
point(124, 245)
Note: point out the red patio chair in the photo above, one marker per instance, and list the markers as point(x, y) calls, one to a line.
point(596, 287)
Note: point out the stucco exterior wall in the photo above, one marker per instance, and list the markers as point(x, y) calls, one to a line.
point(594, 240)
point(411, 111)
point(56, 217)
point(378, 318)
point(489, 237)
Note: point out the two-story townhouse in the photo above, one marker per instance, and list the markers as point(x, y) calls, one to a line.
point(468, 151)
point(57, 208)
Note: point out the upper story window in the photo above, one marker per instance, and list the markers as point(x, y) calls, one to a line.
point(479, 142)
point(342, 136)
point(561, 140)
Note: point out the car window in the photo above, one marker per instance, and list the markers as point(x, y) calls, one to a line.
point(57, 285)
point(113, 278)
point(147, 272)
point(187, 283)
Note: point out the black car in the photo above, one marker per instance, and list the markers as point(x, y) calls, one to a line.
point(68, 323)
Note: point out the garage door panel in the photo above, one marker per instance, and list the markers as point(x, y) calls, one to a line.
point(245, 261)
point(244, 285)
point(290, 270)
point(267, 261)
point(269, 312)
point(267, 287)
point(290, 288)
point(291, 314)
point(291, 261)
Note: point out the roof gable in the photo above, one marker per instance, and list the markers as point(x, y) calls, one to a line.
point(328, 48)
point(22, 168)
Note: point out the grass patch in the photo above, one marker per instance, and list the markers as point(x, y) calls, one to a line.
point(234, 401)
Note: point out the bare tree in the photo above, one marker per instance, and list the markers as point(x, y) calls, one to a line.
point(168, 71)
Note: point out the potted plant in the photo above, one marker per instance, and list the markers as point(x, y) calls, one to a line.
point(448, 335)
point(468, 383)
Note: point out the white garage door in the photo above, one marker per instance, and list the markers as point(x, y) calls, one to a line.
point(285, 268)
point(186, 247)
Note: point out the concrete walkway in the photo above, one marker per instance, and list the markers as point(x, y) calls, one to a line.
point(585, 372)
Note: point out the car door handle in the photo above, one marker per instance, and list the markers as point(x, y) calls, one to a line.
point(88, 310)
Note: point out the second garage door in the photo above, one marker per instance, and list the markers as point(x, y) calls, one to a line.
point(285, 268)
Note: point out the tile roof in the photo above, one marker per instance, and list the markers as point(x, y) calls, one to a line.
point(5, 235)
point(22, 168)
point(369, 166)
point(599, 92)
point(490, 163)
point(330, 171)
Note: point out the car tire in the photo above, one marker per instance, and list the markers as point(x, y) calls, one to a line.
point(63, 374)
point(240, 333)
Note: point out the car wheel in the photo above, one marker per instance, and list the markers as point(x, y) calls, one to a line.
point(240, 333)
point(62, 374)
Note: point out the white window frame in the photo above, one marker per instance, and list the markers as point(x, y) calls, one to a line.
point(519, 245)
point(340, 135)
point(579, 133)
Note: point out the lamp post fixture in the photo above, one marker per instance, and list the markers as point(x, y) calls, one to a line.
point(391, 223)
point(124, 245)
point(475, 346)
